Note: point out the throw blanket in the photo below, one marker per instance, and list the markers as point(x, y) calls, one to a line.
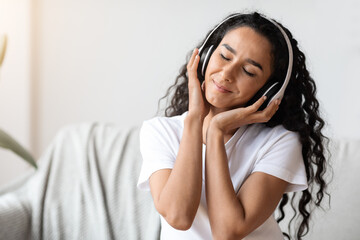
point(85, 188)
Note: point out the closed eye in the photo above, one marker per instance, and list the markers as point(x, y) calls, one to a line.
point(225, 58)
point(249, 73)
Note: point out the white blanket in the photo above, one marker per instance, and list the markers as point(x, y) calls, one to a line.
point(85, 188)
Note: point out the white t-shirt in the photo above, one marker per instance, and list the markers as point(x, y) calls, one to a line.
point(253, 148)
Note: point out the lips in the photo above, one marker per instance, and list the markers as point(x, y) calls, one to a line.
point(221, 88)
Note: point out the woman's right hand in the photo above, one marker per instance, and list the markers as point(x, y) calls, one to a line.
point(198, 106)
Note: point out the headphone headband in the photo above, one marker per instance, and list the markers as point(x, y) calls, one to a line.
point(281, 92)
point(202, 46)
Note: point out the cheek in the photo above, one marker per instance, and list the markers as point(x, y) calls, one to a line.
point(211, 94)
point(248, 89)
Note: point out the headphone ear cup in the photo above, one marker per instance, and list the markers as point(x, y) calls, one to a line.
point(269, 90)
point(203, 62)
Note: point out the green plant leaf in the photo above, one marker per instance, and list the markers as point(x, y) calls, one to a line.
point(6, 141)
point(2, 48)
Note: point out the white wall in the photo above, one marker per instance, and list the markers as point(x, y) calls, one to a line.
point(111, 61)
point(15, 84)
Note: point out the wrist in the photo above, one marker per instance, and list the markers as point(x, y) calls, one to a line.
point(215, 125)
point(194, 118)
point(214, 132)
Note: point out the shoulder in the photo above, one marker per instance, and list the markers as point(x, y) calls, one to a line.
point(163, 128)
point(276, 142)
point(272, 134)
point(164, 123)
point(262, 139)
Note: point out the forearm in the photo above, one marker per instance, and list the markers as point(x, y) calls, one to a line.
point(180, 196)
point(225, 210)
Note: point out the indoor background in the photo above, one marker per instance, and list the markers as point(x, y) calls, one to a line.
point(70, 61)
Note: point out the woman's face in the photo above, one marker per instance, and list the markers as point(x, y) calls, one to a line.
point(237, 69)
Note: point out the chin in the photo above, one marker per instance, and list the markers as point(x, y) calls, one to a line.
point(217, 103)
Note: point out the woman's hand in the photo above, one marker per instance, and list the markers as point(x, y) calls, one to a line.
point(198, 106)
point(235, 118)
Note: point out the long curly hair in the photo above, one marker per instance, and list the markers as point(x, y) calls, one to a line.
point(298, 112)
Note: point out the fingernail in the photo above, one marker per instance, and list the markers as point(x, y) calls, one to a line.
point(265, 97)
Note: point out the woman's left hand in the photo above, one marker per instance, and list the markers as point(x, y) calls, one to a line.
point(235, 118)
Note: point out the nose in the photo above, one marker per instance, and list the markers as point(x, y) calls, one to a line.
point(229, 73)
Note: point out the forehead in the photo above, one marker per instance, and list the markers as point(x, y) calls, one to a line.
point(250, 44)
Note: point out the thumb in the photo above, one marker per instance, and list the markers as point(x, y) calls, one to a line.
point(203, 86)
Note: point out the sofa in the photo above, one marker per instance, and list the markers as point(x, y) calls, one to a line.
point(85, 188)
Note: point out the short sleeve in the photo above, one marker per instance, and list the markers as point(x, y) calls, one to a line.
point(156, 151)
point(283, 158)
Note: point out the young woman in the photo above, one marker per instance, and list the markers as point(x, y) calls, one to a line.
point(220, 161)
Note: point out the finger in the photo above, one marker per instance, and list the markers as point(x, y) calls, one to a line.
point(192, 71)
point(192, 58)
point(255, 106)
point(270, 110)
point(195, 63)
point(203, 86)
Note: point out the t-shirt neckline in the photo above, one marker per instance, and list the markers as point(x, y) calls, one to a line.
point(235, 136)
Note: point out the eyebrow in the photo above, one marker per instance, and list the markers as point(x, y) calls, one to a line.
point(248, 59)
